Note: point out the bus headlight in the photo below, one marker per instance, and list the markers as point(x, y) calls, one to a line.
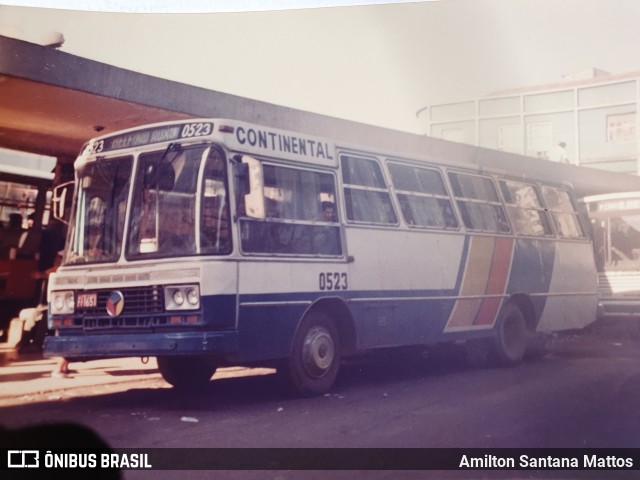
point(62, 303)
point(193, 297)
point(178, 297)
point(182, 297)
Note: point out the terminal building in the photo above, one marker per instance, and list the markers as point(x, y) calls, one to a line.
point(589, 118)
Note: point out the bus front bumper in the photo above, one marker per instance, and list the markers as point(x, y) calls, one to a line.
point(141, 345)
point(619, 308)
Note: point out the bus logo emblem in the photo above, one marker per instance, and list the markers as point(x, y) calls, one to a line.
point(115, 303)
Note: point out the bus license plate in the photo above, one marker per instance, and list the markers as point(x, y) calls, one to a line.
point(86, 300)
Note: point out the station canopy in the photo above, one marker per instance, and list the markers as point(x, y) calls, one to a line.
point(52, 102)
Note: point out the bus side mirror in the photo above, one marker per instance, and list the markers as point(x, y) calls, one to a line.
point(250, 183)
point(61, 201)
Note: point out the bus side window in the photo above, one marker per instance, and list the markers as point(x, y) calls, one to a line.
point(366, 195)
point(422, 196)
point(525, 208)
point(296, 222)
point(563, 213)
point(479, 204)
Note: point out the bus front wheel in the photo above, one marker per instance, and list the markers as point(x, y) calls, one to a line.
point(185, 373)
point(511, 337)
point(313, 365)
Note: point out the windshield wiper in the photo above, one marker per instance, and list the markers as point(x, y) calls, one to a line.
point(152, 179)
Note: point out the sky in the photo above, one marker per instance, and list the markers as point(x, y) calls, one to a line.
point(377, 64)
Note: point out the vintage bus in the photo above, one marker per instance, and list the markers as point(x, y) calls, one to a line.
point(615, 223)
point(215, 242)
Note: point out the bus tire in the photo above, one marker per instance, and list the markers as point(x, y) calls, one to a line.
point(185, 373)
point(510, 341)
point(537, 347)
point(313, 365)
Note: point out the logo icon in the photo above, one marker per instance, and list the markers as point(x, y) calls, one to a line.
point(115, 303)
point(23, 459)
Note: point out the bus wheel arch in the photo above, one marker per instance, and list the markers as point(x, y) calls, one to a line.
point(537, 343)
point(316, 351)
point(527, 308)
point(337, 309)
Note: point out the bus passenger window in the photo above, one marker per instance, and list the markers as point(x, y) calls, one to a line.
point(525, 208)
point(423, 199)
point(565, 217)
point(479, 204)
point(298, 220)
point(366, 195)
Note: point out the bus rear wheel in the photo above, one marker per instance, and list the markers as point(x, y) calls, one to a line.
point(186, 373)
point(511, 337)
point(313, 365)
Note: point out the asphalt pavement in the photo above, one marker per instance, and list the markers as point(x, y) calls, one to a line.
point(26, 377)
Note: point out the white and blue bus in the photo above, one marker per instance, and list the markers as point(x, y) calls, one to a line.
point(215, 242)
point(615, 223)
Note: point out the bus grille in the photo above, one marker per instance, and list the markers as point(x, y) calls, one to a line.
point(619, 285)
point(147, 301)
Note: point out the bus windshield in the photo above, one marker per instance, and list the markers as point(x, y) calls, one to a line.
point(179, 204)
point(617, 241)
point(178, 207)
point(97, 222)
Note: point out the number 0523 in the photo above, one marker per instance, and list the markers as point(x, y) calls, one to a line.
point(333, 281)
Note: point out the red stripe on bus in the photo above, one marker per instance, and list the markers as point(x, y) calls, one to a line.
point(500, 266)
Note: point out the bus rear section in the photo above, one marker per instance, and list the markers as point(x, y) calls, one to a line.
point(216, 242)
point(615, 224)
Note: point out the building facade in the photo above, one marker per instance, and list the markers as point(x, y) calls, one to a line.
point(588, 119)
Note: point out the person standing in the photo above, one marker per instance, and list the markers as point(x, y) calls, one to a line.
point(559, 153)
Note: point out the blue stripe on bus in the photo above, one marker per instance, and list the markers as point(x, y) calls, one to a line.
point(219, 310)
point(532, 270)
point(463, 263)
point(386, 318)
point(347, 295)
point(266, 330)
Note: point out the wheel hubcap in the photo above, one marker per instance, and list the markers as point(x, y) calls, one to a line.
point(318, 351)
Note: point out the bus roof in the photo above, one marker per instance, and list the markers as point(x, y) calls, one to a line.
point(612, 196)
point(585, 181)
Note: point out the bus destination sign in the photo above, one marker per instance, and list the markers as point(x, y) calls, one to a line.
point(622, 204)
point(148, 136)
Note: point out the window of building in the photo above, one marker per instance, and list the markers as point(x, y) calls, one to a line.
point(621, 127)
point(549, 101)
point(499, 106)
point(510, 138)
point(453, 111)
point(608, 94)
point(539, 138)
point(453, 135)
